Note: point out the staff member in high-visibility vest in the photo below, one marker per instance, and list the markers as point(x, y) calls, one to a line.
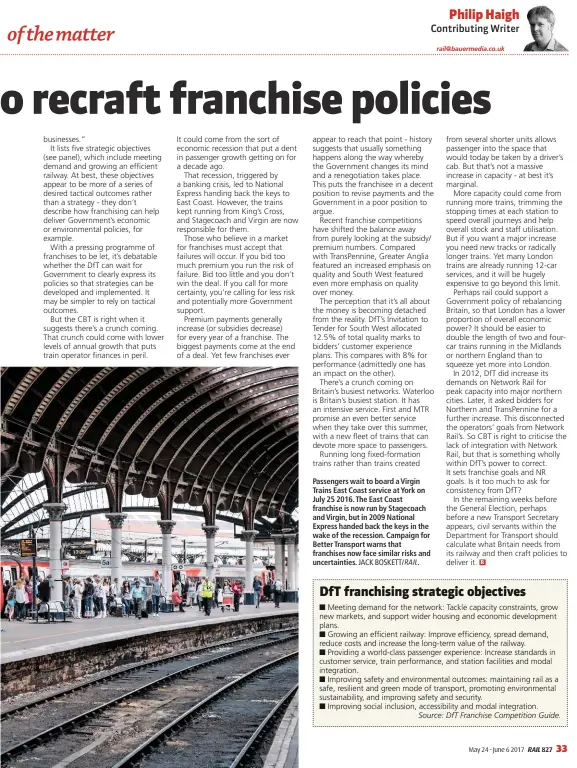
point(207, 592)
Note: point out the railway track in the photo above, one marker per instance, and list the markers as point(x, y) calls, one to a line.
point(186, 742)
point(145, 695)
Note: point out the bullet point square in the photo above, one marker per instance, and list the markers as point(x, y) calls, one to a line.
point(322, 706)
point(322, 652)
point(322, 606)
point(321, 634)
point(322, 679)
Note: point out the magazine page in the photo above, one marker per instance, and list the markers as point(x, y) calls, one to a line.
point(253, 252)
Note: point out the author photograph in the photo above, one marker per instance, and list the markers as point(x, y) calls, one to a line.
point(542, 22)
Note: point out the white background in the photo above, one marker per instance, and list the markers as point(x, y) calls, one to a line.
point(530, 94)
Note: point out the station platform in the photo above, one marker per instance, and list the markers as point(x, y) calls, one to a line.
point(26, 639)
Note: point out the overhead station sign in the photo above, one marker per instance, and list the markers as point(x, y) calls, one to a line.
point(80, 551)
point(28, 548)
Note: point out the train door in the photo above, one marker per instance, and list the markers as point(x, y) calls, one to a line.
point(9, 573)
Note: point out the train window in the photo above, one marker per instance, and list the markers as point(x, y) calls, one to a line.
point(14, 573)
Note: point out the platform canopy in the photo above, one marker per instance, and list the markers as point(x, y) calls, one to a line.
point(221, 439)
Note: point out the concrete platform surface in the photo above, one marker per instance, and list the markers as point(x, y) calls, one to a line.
point(26, 639)
point(284, 750)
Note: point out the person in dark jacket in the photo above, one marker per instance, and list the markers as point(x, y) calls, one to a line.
point(277, 592)
point(88, 597)
point(44, 590)
point(266, 590)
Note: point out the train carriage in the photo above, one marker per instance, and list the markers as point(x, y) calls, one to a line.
point(15, 567)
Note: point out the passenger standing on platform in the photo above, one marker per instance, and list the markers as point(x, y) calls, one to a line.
point(106, 597)
point(103, 592)
point(77, 598)
point(67, 592)
point(44, 590)
point(98, 598)
point(157, 590)
point(184, 594)
point(277, 591)
point(177, 600)
point(11, 602)
point(20, 597)
point(88, 596)
point(236, 593)
point(199, 595)
point(125, 594)
point(28, 597)
point(266, 590)
point(207, 593)
point(218, 595)
point(137, 596)
point(256, 587)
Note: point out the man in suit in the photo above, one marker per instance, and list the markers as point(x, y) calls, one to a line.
point(542, 22)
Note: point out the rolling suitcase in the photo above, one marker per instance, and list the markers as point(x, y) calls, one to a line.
point(144, 614)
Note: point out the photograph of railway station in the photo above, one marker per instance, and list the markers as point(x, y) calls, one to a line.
point(149, 562)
